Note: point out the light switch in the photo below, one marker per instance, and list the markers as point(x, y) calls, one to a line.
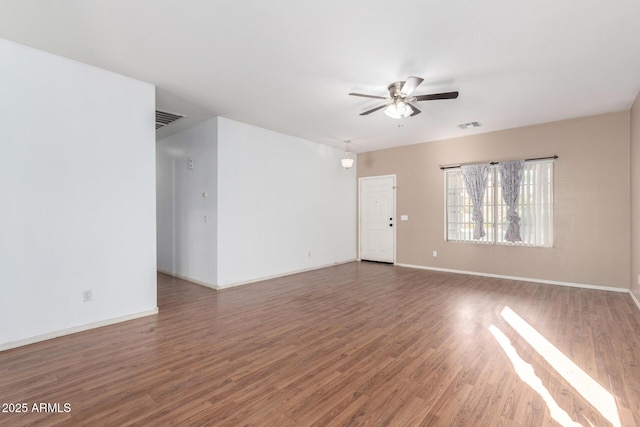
point(404, 217)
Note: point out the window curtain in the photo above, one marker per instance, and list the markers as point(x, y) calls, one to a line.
point(475, 182)
point(511, 176)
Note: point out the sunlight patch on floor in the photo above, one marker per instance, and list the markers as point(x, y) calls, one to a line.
point(527, 374)
point(593, 392)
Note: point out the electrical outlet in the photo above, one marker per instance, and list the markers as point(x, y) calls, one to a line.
point(87, 296)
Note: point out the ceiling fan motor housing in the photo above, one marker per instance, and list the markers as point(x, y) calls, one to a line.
point(395, 88)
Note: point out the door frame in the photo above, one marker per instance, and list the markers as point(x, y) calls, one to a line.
point(395, 219)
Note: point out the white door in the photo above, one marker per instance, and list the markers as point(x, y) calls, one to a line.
point(377, 218)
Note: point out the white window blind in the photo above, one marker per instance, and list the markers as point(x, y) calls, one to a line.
point(535, 207)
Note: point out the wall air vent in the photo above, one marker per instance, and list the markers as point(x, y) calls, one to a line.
point(163, 118)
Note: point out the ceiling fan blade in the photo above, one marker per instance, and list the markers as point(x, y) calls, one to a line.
point(368, 96)
point(410, 85)
point(433, 96)
point(373, 109)
point(416, 110)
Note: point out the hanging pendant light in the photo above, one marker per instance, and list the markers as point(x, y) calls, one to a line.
point(347, 162)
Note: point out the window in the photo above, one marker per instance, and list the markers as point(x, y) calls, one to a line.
point(535, 207)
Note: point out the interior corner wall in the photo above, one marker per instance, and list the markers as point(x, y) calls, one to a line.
point(285, 204)
point(187, 203)
point(591, 194)
point(77, 184)
point(635, 198)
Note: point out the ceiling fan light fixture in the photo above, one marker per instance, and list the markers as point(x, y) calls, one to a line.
point(398, 110)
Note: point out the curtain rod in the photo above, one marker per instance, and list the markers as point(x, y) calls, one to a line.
point(495, 163)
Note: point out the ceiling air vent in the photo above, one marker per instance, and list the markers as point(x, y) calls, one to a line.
point(469, 125)
point(163, 118)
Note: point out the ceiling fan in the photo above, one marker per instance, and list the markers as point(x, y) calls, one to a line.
point(400, 102)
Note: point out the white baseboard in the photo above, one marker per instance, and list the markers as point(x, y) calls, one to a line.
point(75, 329)
point(231, 285)
point(521, 279)
point(633, 297)
point(260, 279)
point(189, 279)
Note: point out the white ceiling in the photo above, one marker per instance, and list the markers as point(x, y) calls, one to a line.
point(288, 65)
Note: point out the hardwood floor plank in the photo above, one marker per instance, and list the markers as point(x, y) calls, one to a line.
point(354, 344)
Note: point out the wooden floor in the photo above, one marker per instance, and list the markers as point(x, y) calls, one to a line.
point(355, 344)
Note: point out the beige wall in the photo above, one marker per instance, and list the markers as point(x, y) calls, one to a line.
point(635, 197)
point(592, 200)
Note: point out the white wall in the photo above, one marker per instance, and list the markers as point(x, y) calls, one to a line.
point(635, 199)
point(186, 243)
point(276, 204)
point(285, 204)
point(77, 195)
